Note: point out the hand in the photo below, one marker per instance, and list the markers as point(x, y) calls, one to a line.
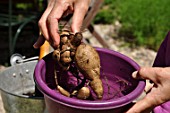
point(158, 94)
point(55, 10)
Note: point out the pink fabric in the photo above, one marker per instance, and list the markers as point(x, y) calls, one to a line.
point(163, 60)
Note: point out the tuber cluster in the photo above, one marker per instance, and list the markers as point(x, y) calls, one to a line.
point(65, 52)
point(86, 59)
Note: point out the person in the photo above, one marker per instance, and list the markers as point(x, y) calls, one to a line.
point(56, 9)
point(157, 99)
point(159, 74)
point(157, 96)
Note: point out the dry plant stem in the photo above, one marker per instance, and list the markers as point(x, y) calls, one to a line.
point(124, 82)
point(105, 78)
point(122, 86)
point(55, 75)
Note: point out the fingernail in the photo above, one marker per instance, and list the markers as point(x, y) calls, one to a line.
point(134, 74)
point(75, 29)
point(35, 45)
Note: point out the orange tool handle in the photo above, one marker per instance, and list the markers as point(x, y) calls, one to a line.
point(44, 49)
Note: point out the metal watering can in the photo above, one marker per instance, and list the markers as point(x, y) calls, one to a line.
point(18, 87)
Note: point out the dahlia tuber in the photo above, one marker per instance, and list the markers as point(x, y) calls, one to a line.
point(83, 93)
point(86, 59)
point(88, 62)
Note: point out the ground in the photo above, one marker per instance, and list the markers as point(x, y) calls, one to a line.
point(143, 56)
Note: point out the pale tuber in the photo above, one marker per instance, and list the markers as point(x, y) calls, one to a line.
point(83, 93)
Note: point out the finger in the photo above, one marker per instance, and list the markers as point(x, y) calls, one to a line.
point(43, 20)
point(53, 31)
point(68, 12)
point(142, 106)
point(147, 73)
point(43, 27)
point(53, 18)
point(80, 11)
point(39, 42)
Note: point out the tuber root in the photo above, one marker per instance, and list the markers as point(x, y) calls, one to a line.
point(63, 91)
point(83, 93)
point(86, 61)
point(96, 85)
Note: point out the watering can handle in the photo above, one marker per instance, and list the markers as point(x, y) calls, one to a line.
point(44, 49)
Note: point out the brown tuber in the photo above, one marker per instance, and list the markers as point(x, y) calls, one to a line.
point(63, 91)
point(86, 60)
point(83, 93)
point(96, 85)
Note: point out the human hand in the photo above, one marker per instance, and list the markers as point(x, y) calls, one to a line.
point(158, 94)
point(55, 10)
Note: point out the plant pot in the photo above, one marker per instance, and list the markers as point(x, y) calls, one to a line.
point(120, 89)
point(17, 85)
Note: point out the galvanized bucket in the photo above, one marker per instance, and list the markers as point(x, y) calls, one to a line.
point(17, 88)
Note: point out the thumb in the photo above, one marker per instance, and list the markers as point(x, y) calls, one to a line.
point(147, 73)
point(142, 106)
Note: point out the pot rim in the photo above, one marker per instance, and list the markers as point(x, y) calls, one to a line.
point(87, 104)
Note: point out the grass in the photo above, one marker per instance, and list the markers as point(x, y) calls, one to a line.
point(144, 21)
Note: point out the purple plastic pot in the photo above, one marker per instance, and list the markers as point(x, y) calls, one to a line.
point(120, 89)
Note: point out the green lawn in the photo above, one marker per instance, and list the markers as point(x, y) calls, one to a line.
point(145, 21)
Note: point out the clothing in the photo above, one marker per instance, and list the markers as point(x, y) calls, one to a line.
point(163, 60)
